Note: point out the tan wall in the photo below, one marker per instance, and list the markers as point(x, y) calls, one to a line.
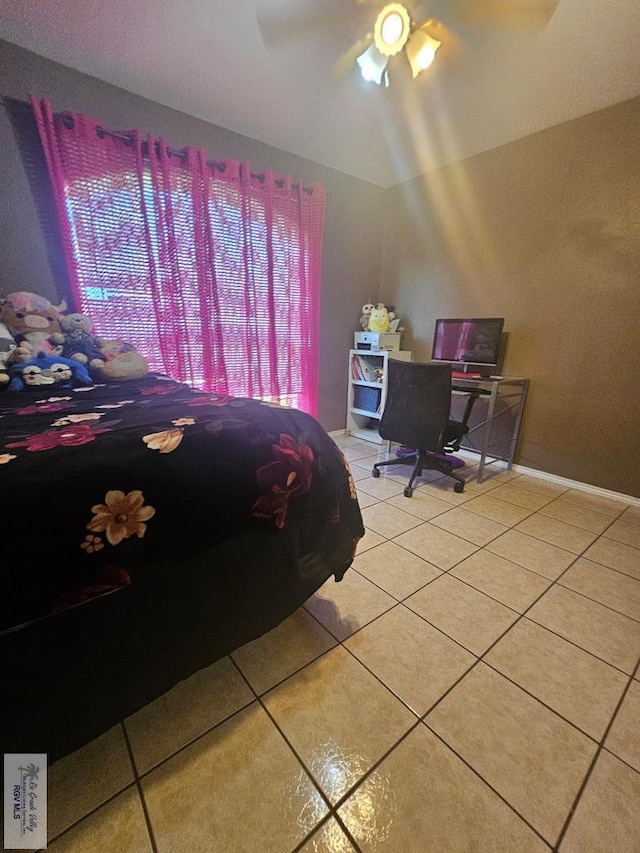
point(352, 239)
point(544, 231)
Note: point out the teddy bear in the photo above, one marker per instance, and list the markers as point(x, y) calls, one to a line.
point(32, 319)
point(120, 361)
point(46, 370)
point(77, 341)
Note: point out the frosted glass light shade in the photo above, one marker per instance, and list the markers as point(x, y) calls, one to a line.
point(421, 51)
point(372, 64)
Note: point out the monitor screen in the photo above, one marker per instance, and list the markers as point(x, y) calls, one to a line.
point(469, 341)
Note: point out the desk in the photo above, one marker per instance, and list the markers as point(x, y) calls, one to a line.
point(493, 433)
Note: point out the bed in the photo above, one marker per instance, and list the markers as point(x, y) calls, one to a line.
point(150, 529)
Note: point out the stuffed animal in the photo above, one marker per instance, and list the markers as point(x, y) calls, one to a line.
point(77, 341)
point(366, 315)
point(32, 319)
point(121, 361)
point(7, 344)
point(380, 318)
point(47, 370)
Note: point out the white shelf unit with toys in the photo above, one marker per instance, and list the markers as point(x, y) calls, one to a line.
point(367, 392)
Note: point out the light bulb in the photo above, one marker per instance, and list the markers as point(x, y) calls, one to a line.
point(391, 28)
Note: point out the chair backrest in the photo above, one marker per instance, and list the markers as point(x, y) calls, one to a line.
point(416, 411)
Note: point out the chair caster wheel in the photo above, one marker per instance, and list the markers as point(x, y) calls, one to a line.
point(459, 487)
point(375, 472)
point(408, 492)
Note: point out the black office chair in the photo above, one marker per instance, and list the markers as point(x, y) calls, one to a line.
point(416, 415)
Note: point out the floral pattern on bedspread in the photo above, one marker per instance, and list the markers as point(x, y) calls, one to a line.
point(113, 483)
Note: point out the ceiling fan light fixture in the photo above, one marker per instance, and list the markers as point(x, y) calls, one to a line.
point(373, 65)
point(392, 29)
point(421, 50)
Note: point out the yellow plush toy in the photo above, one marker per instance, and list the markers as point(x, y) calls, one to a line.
point(380, 319)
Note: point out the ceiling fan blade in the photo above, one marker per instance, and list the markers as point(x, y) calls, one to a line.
point(524, 14)
point(286, 22)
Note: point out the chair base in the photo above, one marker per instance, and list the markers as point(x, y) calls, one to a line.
point(422, 459)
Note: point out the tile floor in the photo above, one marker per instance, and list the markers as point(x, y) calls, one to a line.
point(472, 685)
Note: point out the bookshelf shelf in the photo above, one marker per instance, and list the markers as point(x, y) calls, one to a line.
point(367, 391)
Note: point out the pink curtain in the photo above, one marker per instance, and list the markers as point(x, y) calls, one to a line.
point(211, 271)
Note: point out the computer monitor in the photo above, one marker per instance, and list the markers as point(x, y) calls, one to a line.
point(470, 344)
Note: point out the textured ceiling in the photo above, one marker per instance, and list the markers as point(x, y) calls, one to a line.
point(206, 58)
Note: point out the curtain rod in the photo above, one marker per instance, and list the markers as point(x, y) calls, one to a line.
point(125, 137)
point(173, 152)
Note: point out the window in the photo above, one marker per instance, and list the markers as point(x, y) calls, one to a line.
point(210, 271)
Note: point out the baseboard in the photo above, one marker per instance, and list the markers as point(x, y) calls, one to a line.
point(541, 475)
point(560, 481)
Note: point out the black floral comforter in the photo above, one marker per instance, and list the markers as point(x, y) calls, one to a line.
point(110, 485)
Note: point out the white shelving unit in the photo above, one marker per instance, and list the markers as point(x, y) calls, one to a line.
point(367, 396)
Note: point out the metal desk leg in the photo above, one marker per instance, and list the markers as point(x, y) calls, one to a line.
point(486, 440)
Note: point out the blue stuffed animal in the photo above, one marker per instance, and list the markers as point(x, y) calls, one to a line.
point(47, 370)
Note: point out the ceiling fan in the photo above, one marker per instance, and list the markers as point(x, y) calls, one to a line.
point(387, 29)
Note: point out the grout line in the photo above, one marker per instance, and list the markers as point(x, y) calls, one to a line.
point(591, 767)
point(138, 784)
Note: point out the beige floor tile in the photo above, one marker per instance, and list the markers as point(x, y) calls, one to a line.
point(104, 768)
point(346, 606)
point(330, 838)
point(512, 585)
point(472, 486)
point(192, 707)
point(577, 685)
point(497, 510)
point(618, 591)
point(369, 540)
point(539, 485)
point(442, 488)
point(422, 505)
point(631, 514)
point(469, 525)
point(237, 788)
point(615, 555)
point(422, 798)
point(394, 569)
point(415, 660)
point(592, 626)
point(597, 503)
point(284, 650)
point(387, 520)
point(517, 745)
point(357, 452)
point(625, 532)
point(381, 488)
point(339, 718)
point(579, 516)
point(519, 496)
point(359, 471)
point(365, 500)
point(557, 533)
point(467, 616)
point(498, 475)
point(624, 737)
point(607, 818)
point(117, 827)
point(436, 546)
point(533, 554)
